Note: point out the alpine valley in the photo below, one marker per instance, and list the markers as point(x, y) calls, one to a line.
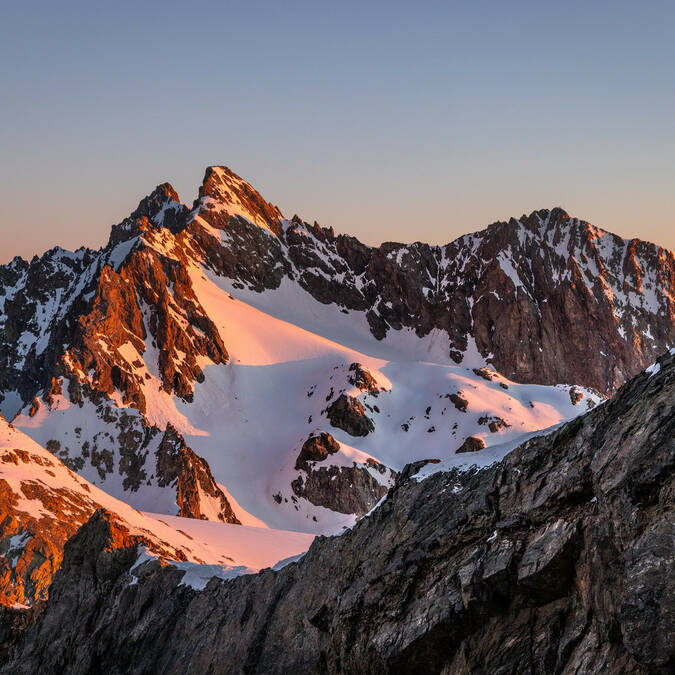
point(200, 398)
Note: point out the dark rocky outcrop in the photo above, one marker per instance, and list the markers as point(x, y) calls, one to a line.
point(471, 444)
point(316, 449)
point(345, 489)
point(179, 465)
point(362, 378)
point(459, 402)
point(485, 373)
point(347, 413)
point(559, 558)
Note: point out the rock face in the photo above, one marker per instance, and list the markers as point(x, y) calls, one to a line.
point(559, 558)
point(13, 622)
point(347, 413)
point(43, 503)
point(151, 468)
point(197, 493)
point(38, 514)
point(316, 449)
point(68, 313)
point(550, 297)
point(345, 489)
point(471, 444)
point(543, 295)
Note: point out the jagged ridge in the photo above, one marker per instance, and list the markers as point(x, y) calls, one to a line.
point(533, 293)
point(545, 299)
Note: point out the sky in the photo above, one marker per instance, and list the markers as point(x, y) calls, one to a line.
point(390, 121)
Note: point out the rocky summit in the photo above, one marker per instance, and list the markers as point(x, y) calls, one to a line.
point(233, 441)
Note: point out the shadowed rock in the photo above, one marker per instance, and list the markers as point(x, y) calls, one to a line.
point(347, 413)
point(471, 444)
point(345, 489)
point(559, 558)
point(316, 449)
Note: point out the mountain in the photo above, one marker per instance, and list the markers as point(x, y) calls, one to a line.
point(43, 504)
point(222, 362)
point(199, 398)
point(529, 292)
point(557, 558)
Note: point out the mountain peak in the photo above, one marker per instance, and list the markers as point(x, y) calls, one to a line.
point(161, 207)
point(224, 191)
point(218, 173)
point(558, 218)
point(556, 213)
point(167, 191)
point(543, 221)
point(161, 197)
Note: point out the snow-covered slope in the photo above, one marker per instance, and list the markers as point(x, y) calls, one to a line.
point(249, 418)
point(42, 504)
point(225, 363)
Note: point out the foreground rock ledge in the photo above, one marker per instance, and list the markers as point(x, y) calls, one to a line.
point(557, 559)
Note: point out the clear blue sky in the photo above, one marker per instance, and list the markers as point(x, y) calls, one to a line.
point(390, 121)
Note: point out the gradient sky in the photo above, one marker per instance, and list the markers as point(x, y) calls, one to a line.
point(390, 121)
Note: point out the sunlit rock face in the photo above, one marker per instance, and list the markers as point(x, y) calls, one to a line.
point(43, 503)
